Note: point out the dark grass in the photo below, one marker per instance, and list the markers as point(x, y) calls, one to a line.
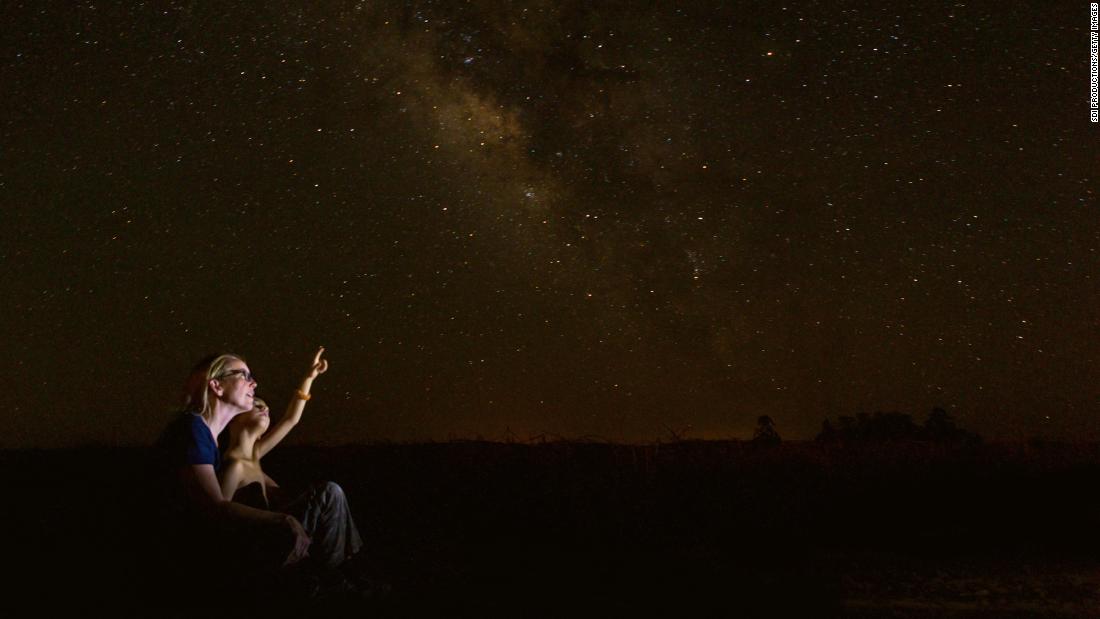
point(560, 529)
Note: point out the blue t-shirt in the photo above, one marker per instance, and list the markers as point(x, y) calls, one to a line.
point(188, 441)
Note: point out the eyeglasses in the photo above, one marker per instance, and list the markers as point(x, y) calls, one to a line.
point(245, 374)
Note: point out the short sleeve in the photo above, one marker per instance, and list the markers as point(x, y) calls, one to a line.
point(188, 441)
point(201, 448)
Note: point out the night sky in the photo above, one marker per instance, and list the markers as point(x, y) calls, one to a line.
point(610, 220)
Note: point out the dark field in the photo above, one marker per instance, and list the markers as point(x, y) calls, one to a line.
point(568, 529)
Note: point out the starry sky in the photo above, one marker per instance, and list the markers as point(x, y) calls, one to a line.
point(601, 220)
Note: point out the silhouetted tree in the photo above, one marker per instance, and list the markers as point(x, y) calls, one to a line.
point(849, 428)
point(828, 433)
point(893, 426)
point(765, 433)
point(939, 425)
point(941, 428)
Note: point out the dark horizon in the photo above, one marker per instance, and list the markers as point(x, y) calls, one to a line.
point(481, 530)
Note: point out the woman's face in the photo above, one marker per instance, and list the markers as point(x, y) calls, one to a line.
point(239, 385)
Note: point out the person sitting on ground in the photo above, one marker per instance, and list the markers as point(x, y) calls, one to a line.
point(322, 509)
point(198, 519)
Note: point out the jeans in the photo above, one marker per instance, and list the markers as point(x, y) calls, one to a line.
point(324, 513)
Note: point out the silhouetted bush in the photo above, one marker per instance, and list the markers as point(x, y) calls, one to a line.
point(939, 427)
point(765, 433)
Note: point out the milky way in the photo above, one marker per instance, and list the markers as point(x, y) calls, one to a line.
point(550, 218)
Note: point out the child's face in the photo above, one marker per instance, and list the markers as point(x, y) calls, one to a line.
point(258, 417)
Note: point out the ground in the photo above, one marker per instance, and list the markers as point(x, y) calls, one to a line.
point(694, 529)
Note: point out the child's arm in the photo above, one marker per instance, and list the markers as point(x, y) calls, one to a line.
point(293, 413)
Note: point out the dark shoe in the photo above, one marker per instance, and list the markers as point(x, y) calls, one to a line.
point(370, 588)
point(335, 586)
point(363, 577)
point(363, 587)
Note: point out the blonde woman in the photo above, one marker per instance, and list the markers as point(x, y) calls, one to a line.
point(322, 509)
point(200, 515)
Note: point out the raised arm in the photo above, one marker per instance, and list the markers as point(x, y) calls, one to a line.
point(293, 413)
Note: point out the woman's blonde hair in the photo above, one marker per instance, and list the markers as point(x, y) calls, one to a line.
point(196, 393)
